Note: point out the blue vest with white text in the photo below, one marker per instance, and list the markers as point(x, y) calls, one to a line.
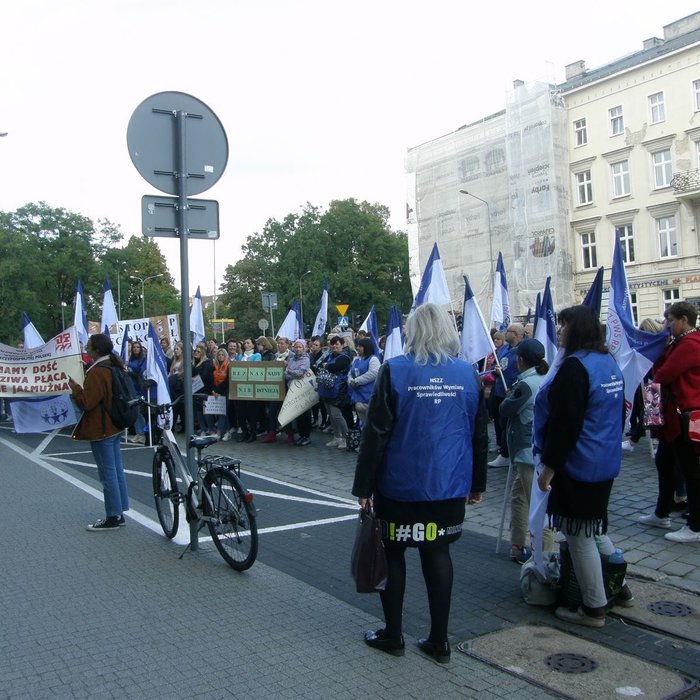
point(429, 453)
point(597, 453)
point(362, 393)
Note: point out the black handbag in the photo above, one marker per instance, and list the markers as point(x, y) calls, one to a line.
point(368, 562)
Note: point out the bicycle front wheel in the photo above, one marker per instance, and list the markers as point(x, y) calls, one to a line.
point(230, 518)
point(166, 494)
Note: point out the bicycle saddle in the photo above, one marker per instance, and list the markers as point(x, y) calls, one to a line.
point(203, 441)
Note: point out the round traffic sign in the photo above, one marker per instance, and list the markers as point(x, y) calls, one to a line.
point(263, 325)
point(153, 135)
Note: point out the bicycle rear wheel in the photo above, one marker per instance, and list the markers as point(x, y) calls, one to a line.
point(232, 519)
point(165, 493)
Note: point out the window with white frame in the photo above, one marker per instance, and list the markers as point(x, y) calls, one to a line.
point(657, 109)
point(663, 170)
point(584, 187)
point(696, 95)
point(634, 308)
point(626, 242)
point(589, 257)
point(617, 123)
point(620, 178)
point(668, 236)
point(671, 296)
point(580, 132)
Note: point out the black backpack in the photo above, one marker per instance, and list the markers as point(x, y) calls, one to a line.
point(125, 401)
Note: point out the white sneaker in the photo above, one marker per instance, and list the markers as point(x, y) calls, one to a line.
point(332, 443)
point(628, 446)
point(685, 534)
point(342, 444)
point(500, 461)
point(654, 520)
point(228, 435)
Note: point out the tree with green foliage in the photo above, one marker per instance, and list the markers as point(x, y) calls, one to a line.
point(44, 251)
point(350, 244)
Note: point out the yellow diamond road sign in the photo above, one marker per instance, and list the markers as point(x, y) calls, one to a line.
point(342, 308)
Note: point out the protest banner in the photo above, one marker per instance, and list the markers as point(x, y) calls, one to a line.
point(256, 381)
point(301, 396)
point(166, 326)
point(42, 371)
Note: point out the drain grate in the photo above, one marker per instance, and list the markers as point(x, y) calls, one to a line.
point(570, 663)
point(669, 608)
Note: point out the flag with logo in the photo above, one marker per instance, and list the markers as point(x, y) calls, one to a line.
point(634, 350)
point(546, 327)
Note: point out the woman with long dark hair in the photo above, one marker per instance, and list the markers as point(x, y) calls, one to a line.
point(577, 438)
point(95, 425)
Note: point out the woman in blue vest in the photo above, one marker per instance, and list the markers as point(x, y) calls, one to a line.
point(423, 450)
point(361, 378)
point(577, 438)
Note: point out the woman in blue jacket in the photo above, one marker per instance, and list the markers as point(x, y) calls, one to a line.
point(577, 436)
point(423, 450)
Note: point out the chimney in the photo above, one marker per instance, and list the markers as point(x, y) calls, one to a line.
point(575, 70)
point(652, 43)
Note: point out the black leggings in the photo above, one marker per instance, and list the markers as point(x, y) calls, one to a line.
point(436, 564)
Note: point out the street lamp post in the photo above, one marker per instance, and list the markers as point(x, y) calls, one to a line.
point(301, 301)
point(143, 288)
point(488, 218)
point(63, 315)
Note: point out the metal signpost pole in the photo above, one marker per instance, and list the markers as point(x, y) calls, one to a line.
point(181, 131)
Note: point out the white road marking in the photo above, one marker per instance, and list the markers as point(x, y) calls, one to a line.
point(182, 537)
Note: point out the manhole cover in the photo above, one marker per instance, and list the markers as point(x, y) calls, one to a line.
point(669, 608)
point(570, 663)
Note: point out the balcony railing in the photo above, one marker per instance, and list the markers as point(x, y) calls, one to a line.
point(687, 181)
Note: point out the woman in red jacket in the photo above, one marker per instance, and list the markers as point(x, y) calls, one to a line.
point(678, 372)
point(96, 426)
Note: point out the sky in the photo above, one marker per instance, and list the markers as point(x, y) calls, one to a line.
point(319, 99)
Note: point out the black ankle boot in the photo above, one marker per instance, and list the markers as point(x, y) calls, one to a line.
point(379, 640)
point(440, 651)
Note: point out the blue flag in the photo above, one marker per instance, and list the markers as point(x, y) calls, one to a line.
point(370, 326)
point(475, 340)
point(393, 345)
point(322, 315)
point(546, 328)
point(595, 293)
point(291, 326)
point(634, 350)
point(433, 285)
point(109, 311)
point(80, 318)
point(500, 307)
point(32, 339)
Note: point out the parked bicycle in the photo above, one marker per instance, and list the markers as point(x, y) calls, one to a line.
point(216, 498)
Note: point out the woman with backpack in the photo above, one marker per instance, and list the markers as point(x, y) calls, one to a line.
point(95, 425)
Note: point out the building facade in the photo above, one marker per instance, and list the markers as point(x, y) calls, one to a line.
point(552, 180)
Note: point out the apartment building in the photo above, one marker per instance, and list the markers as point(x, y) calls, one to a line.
point(554, 177)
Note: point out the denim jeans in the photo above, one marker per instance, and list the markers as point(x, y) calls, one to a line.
point(111, 473)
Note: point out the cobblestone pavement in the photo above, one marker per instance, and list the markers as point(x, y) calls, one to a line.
point(117, 615)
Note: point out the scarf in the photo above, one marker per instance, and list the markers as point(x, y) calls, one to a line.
point(220, 372)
